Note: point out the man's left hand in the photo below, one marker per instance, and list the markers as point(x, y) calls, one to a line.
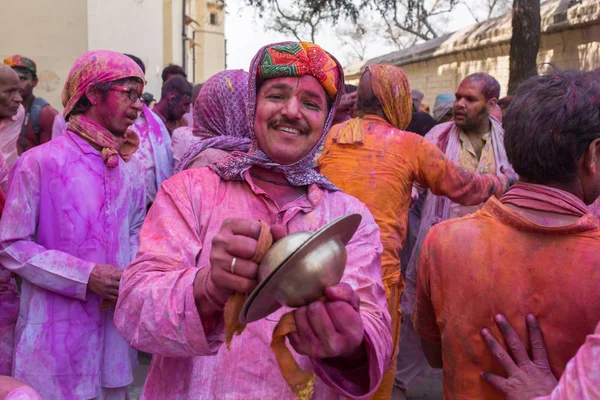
point(527, 377)
point(330, 329)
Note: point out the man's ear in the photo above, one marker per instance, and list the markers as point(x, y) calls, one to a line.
point(591, 158)
point(491, 104)
point(35, 82)
point(92, 94)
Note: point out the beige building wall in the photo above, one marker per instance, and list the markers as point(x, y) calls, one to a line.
point(51, 33)
point(129, 26)
point(575, 48)
point(58, 31)
point(209, 40)
point(172, 32)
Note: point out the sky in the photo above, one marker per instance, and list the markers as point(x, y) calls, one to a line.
point(245, 34)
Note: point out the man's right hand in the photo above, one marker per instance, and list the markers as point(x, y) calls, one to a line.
point(238, 238)
point(104, 280)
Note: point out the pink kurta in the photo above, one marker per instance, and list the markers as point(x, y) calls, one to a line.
point(65, 212)
point(581, 379)
point(154, 153)
point(9, 310)
point(156, 312)
point(183, 138)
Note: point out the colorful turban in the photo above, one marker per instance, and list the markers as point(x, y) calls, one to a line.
point(391, 88)
point(18, 61)
point(301, 172)
point(93, 67)
point(300, 59)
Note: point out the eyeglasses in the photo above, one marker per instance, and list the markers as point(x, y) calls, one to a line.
point(133, 94)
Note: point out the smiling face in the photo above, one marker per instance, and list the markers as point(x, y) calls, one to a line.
point(470, 107)
point(290, 116)
point(114, 109)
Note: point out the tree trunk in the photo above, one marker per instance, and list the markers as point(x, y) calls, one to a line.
point(525, 42)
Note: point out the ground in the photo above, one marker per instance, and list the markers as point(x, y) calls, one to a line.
point(428, 389)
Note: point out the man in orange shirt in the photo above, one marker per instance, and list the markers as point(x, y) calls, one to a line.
point(375, 160)
point(534, 250)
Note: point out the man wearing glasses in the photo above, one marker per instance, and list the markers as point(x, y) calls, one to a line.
point(70, 226)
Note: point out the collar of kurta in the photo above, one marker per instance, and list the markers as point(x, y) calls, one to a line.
point(307, 203)
point(511, 217)
point(20, 113)
point(84, 145)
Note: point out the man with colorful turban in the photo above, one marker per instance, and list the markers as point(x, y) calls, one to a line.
point(70, 225)
point(372, 158)
point(201, 234)
point(474, 140)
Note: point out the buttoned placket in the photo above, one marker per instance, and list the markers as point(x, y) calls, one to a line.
point(283, 215)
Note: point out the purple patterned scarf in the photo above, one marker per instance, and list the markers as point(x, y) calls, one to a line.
point(300, 173)
point(220, 115)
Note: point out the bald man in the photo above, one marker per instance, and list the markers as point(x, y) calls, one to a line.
point(473, 140)
point(12, 114)
point(11, 118)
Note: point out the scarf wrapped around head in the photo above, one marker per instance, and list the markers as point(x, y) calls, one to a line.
point(220, 115)
point(280, 60)
point(390, 86)
point(443, 103)
point(93, 67)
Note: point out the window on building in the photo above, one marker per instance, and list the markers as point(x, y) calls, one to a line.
point(213, 19)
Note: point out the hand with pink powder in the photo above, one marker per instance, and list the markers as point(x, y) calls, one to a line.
point(237, 240)
point(331, 329)
point(527, 377)
point(105, 280)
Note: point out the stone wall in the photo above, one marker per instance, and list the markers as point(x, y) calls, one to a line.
point(570, 39)
point(575, 48)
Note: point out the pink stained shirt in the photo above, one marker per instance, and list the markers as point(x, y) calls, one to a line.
point(9, 311)
point(181, 141)
point(65, 212)
point(581, 379)
point(10, 129)
point(154, 153)
point(157, 313)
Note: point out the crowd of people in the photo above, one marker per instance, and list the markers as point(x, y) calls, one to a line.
point(128, 223)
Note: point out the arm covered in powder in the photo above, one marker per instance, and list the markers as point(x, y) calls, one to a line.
point(363, 274)
point(580, 379)
point(435, 171)
point(52, 270)
point(156, 311)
